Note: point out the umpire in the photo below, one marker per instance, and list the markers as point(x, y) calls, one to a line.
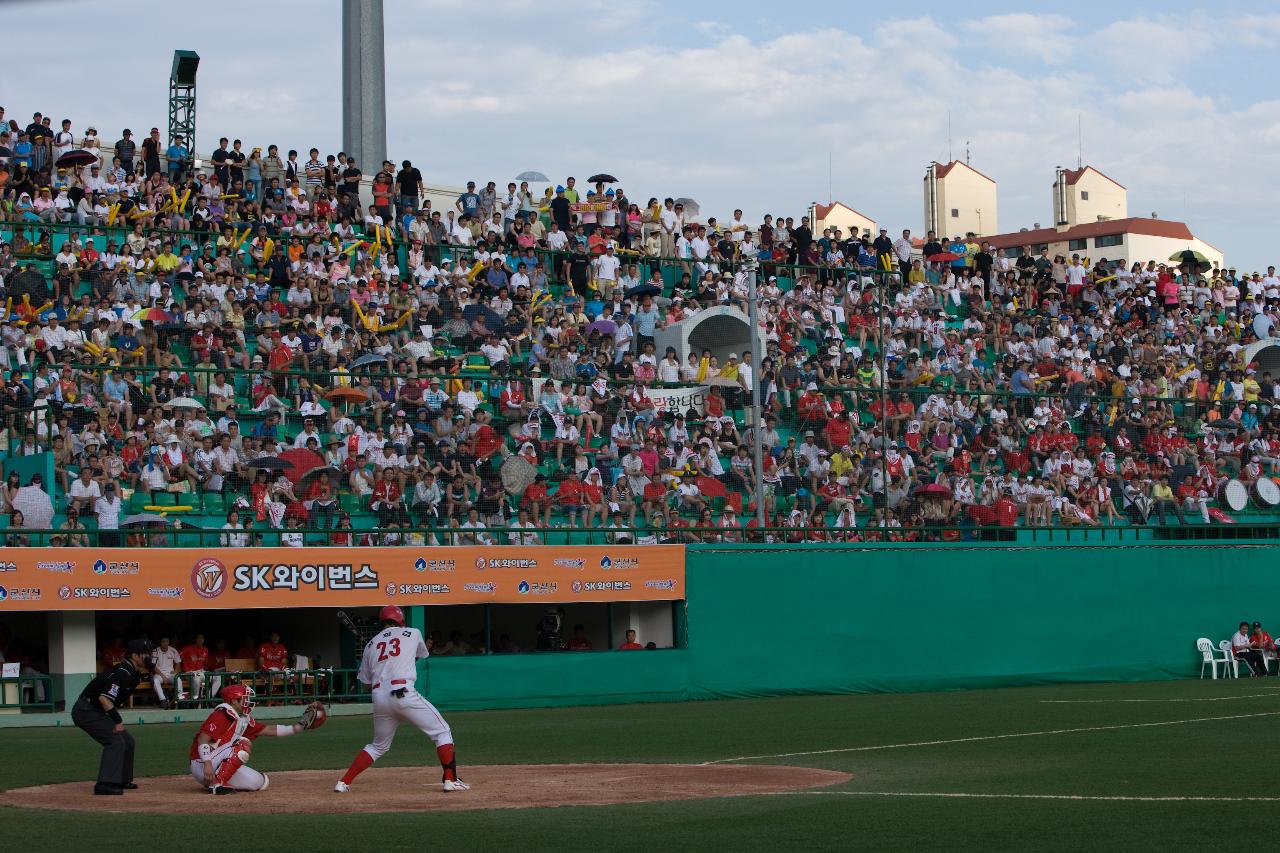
point(96, 711)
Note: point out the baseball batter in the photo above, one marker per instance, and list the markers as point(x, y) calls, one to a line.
point(390, 667)
point(220, 749)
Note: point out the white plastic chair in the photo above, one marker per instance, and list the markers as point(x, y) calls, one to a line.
point(1209, 659)
point(1229, 659)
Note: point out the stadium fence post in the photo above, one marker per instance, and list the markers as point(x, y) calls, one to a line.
point(754, 414)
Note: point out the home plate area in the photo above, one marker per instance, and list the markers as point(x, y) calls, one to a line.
point(410, 789)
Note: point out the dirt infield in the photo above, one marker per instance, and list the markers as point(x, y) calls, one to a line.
point(412, 789)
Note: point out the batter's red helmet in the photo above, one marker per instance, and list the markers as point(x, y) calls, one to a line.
point(391, 613)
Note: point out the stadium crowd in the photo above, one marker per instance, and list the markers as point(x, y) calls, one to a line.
point(245, 342)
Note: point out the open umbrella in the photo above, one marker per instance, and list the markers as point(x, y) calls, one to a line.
point(604, 327)
point(486, 314)
point(940, 257)
point(643, 290)
point(299, 462)
point(76, 157)
point(347, 395)
point(155, 315)
point(143, 518)
point(367, 359)
point(532, 176)
point(186, 403)
point(1182, 256)
point(5, 151)
point(710, 487)
point(516, 475)
point(36, 507)
point(269, 463)
point(30, 283)
point(307, 480)
point(602, 178)
point(691, 207)
point(933, 490)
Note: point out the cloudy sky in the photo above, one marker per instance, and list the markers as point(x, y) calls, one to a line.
point(735, 105)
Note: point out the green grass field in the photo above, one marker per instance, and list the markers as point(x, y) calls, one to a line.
point(1128, 778)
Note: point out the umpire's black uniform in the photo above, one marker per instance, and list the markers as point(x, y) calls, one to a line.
point(115, 772)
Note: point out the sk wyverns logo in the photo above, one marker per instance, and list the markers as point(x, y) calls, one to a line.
point(577, 586)
point(480, 564)
point(64, 592)
point(99, 567)
point(523, 587)
point(605, 562)
point(209, 577)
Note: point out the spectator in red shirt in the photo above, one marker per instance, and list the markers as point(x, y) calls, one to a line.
point(837, 431)
point(536, 500)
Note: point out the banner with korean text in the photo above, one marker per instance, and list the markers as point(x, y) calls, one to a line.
point(194, 578)
point(679, 400)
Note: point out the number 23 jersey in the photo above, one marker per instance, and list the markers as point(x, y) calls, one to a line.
point(392, 656)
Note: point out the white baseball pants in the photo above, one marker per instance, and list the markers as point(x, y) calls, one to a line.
point(412, 708)
point(244, 779)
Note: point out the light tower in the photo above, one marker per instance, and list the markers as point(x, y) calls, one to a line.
point(182, 97)
point(364, 84)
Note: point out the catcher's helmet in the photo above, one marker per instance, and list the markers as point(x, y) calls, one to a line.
point(239, 695)
point(391, 613)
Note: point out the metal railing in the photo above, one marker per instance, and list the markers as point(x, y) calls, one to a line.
point(25, 693)
point(867, 535)
point(272, 687)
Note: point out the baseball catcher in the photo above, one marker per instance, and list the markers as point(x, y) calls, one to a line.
point(220, 750)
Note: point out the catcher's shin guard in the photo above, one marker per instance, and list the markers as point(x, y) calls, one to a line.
point(234, 762)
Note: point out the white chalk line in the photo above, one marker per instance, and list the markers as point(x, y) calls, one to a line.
point(1202, 699)
point(1072, 797)
point(989, 737)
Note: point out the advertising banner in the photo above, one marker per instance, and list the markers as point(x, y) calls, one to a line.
point(194, 578)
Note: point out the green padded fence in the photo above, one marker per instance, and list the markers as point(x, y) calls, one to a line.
point(762, 621)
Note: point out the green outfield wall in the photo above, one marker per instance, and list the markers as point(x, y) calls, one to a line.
point(765, 621)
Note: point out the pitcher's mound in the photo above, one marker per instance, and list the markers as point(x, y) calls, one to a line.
point(410, 789)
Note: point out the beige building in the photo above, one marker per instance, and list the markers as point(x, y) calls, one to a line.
point(959, 200)
point(1130, 239)
point(842, 216)
point(1085, 195)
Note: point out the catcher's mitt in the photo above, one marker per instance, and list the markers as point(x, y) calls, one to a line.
point(314, 716)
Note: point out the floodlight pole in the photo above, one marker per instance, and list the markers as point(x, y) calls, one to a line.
point(182, 97)
point(364, 84)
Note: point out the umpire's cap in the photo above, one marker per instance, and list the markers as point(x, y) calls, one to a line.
point(141, 647)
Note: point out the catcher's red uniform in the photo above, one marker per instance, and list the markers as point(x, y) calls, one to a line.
point(224, 726)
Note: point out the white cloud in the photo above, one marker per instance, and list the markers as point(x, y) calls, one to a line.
point(1049, 38)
